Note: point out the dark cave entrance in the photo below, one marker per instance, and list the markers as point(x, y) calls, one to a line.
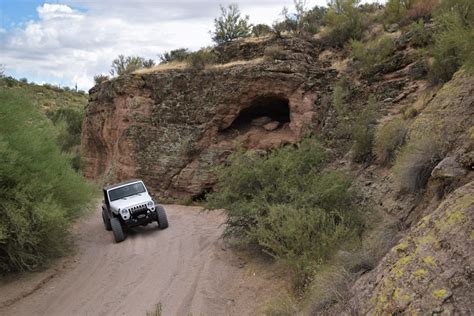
point(274, 107)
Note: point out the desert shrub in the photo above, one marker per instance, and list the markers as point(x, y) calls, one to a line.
point(126, 65)
point(24, 80)
point(303, 21)
point(420, 10)
point(157, 311)
point(415, 162)
point(179, 55)
point(453, 41)
point(100, 78)
point(39, 191)
point(363, 133)
point(339, 94)
point(388, 140)
point(368, 55)
point(275, 53)
point(283, 305)
point(344, 22)
point(330, 287)
point(230, 25)
point(420, 36)
point(148, 63)
point(286, 204)
point(261, 30)
point(71, 121)
point(410, 112)
point(200, 59)
point(395, 10)
point(312, 20)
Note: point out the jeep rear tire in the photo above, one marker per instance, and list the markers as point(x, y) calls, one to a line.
point(105, 218)
point(161, 217)
point(117, 229)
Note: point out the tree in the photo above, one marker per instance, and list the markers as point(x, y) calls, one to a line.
point(261, 30)
point(125, 65)
point(179, 54)
point(230, 25)
point(149, 63)
point(344, 21)
point(303, 21)
point(2, 70)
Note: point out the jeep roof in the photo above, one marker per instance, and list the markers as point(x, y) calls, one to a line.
point(113, 186)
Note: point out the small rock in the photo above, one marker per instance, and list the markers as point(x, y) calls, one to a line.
point(260, 121)
point(393, 28)
point(448, 168)
point(271, 126)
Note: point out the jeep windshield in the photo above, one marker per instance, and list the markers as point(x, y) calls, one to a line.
point(128, 190)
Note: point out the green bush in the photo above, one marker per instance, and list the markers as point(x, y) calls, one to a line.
point(200, 59)
point(388, 140)
point(275, 53)
point(368, 55)
point(98, 79)
point(395, 10)
point(363, 133)
point(230, 25)
point(454, 40)
point(286, 204)
point(126, 65)
point(420, 36)
point(303, 21)
point(344, 21)
point(39, 191)
point(415, 162)
point(179, 54)
point(261, 30)
point(339, 94)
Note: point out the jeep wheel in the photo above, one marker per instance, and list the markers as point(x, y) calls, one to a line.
point(161, 215)
point(117, 229)
point(106, 220)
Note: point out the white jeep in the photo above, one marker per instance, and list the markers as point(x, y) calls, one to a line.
point(128, 204)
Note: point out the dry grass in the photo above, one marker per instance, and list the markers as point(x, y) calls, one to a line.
point(388, 139)
point(415, 162)
point(183, 65)
point(163, 67)
point(238, 63)
point(259, 39)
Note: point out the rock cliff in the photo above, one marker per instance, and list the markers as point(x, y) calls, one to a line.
point(172, 127)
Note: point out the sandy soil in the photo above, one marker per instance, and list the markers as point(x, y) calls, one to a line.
point(187, 268)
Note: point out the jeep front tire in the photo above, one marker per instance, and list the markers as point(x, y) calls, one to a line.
point(106, 219)
point(117, 229)
point(161, 217)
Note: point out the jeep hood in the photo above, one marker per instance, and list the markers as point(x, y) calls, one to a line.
point(130, 201)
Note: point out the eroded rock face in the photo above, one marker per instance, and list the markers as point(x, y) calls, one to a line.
point(171, 128)
point(431, 269)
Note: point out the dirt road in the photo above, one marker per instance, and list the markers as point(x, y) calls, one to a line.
point(186, 268)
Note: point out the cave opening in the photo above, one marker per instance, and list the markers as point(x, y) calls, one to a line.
point(273, 108)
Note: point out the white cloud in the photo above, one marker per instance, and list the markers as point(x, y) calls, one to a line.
point(70, 46)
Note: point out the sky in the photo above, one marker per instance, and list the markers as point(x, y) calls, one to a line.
point(67, 42)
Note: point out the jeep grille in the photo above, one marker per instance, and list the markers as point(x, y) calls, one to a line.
point(138, 208)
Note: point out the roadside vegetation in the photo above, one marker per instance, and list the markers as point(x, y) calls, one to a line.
point(40, 192)
point(288, 205)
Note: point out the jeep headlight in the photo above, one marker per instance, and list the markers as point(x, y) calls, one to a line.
point(124, 211)
point(150, 204)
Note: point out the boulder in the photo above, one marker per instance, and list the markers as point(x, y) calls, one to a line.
point(260, 121)
point(448, 168)
point(271, 126)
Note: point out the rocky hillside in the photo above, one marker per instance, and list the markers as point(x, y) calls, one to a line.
point(172, 127)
